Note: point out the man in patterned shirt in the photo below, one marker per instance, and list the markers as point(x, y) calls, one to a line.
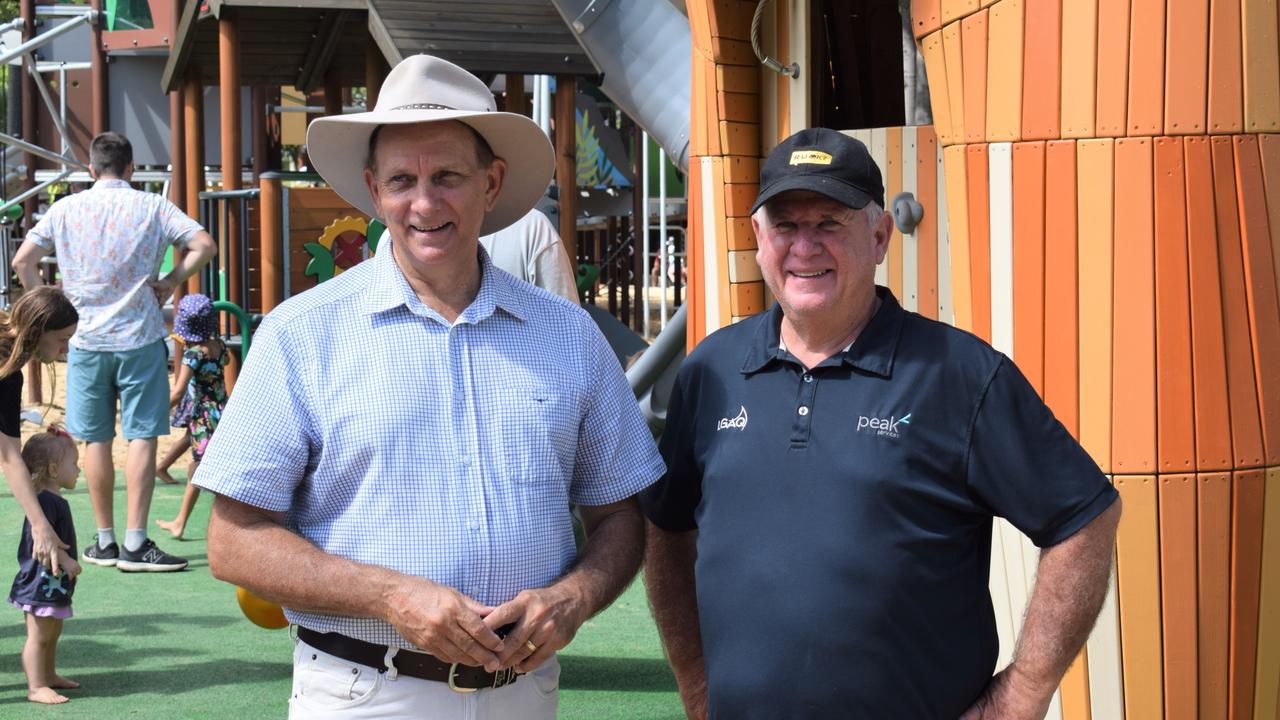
point(110, 241)
point(397, 462)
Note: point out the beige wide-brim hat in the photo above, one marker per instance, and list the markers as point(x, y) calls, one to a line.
point(423, 88)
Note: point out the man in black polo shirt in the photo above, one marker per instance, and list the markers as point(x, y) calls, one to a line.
point(834, 466)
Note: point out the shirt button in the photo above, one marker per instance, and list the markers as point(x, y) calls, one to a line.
point(473, 525)
point(804, 410)
point(808, 377)
point(464, 460)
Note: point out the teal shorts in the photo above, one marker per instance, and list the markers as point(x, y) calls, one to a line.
point(139, 378)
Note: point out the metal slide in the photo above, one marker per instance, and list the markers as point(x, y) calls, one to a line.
point(643, 48)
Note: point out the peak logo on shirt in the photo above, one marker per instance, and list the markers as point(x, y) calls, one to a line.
point(887, 427)
point(738, 422)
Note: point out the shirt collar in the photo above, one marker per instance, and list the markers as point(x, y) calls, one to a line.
point(388, 288)
point(873, 351)
point(111, 183)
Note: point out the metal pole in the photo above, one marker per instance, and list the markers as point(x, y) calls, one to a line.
point(48, 102)
point(662, 234)
point(44, 38)
point(62, 106)
point(644, 221)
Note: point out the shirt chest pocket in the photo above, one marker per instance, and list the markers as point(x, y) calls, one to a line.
point(532, 434)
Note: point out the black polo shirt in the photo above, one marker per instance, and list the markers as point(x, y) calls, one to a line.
point(844, 513)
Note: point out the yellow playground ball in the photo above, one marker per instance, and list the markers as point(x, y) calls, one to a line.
point(262, 613)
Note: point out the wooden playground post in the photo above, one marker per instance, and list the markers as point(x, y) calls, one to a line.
point(332, 92)
point(516, 100)
point(270, 251)
point(229, 87)
point(567, 161)
point(193, 160)
point(375, 71)
point(98, 86)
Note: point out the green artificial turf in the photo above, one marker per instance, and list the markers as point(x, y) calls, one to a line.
point(175, 646)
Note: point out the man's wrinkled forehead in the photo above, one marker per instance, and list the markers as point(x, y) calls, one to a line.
point(805, 202)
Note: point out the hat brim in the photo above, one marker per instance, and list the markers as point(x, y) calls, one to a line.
point(838, 190)
point(339, 145)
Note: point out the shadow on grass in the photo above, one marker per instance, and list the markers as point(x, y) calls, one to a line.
point(585, 672)
point(139, 624)
point(176, 679)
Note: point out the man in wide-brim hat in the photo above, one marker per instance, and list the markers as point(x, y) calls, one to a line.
point(396, 464)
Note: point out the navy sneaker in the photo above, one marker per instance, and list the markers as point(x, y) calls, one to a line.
point(149, 558)
point(95, 554)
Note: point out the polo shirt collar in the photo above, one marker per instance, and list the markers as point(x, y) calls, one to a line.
point(388, 288)
point(872, 352)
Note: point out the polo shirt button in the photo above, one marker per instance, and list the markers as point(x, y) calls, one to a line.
point(808, 377)
point(804, 410)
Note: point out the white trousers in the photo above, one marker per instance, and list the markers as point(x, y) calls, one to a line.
point(326, 687)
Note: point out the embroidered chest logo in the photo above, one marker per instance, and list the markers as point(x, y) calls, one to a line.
point(739, 422)
point(887, 427)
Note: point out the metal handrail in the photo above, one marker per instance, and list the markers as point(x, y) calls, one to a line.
point(246, 331)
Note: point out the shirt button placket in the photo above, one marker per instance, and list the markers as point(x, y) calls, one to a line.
point(802, 426)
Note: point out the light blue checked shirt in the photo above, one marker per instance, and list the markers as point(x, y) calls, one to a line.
point(450, 452)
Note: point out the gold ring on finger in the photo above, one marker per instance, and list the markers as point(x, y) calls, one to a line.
point(530, 646)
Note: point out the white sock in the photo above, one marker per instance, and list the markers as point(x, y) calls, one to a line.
point(106, 536)
point(133, 539)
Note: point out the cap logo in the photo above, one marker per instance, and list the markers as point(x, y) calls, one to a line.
point(810, 157)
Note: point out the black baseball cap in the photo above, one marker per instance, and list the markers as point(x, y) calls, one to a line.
point(826, 162)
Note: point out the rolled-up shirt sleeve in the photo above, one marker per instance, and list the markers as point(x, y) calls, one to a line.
point(1024, 466)
point(264, 444)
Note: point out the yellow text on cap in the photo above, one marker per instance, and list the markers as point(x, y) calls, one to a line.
point(810, 157)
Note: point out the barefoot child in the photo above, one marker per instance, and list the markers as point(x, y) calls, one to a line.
point(52, 460)
point(199, 392)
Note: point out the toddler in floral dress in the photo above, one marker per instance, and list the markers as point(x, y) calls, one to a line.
point(199, 392)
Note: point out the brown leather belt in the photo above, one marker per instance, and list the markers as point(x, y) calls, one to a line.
point(460, 678)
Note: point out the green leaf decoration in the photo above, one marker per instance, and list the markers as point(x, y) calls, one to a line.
point(374, 234)
point(588, 153)
point(321, 264)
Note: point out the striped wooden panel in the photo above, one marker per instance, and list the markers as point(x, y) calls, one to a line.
point(1113, 66)
point(704, 134)
point(954, 176)
point(711, 296)
point(1266, 702)
point(781, 86)
point(1000, 263)
point(1260, 288)
point(946, 296)
point(1178, 594)
point(719, 193)
point(1246, 433)
point(892, 186)
point(1213, 575)
point(973, 34)
point(1106, 685)
point(926, 17)
point(1247, 505)
point(1133, 419)
point(1029, 261)
point(1004, 71)
point(1061, 291)
point(1269, 149)
point(1226, 109)
point(927, 233)
point(1174, 402)
point(979, 199)
point(1212, 415)
point(1075, 688)
point(1261, 66)
point(743, 266)
point(874, 139)
point(695, 328)
point(1186, 64)
point(746, 299)
point(1042, 70)
point(935, 66)
point(1079, 67)
point(1146, 67)
point(1094, 204)
point(1138, 565)
point(741, 237)
point(952, 51)
point(999, 584)
point(956, 9)
point(910, 242)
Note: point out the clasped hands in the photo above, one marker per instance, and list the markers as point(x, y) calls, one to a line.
point(456, 628)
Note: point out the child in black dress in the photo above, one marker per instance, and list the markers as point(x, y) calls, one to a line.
point(52, 459)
